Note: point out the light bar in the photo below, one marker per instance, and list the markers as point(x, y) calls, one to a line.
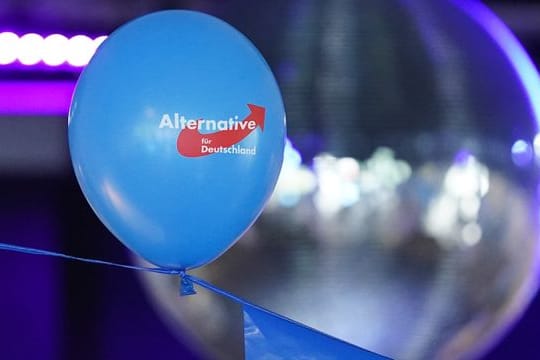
point(54, 50)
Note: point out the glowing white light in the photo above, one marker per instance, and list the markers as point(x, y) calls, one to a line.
point(389, 171)
point(536, 146)
point(520, 147)
point(349, 194)
point(522, 153)
point(348, 167)
point(469, 207)
point(80, 50)
point(293, 183)
point(328, 197)
point(295, 179)
point(465, 184)
point(9, 43)
point(368, 183)
point(471, 234)
point(291, 156)
point(30, 49)
point(338, 183)
point(99, 40)
point(484, 182)
point(467, 180)
point(441, 218)
point(54, 50)
point(288, 199)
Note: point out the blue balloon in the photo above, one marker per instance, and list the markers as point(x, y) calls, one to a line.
point(176, 133)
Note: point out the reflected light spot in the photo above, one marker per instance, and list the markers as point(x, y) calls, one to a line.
point(441, 218)
point(471, 234)
point(469, 208)
point(467, 180)
point(348, 167)
point(522, 153)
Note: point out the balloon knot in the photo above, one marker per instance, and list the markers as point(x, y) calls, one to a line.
point(186, 285)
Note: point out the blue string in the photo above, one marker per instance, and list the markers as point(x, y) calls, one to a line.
point(32, 251)
point(186, 283)
point(204, 284)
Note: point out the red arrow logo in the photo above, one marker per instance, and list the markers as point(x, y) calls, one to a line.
point(191, 143)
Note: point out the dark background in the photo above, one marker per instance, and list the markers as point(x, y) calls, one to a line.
point(55, 309)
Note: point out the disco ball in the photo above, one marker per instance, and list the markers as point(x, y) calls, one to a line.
point(405, 218)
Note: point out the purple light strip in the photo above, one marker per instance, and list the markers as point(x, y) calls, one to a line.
point(30, 50)
point(35, 97)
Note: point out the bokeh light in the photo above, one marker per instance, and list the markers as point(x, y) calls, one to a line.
point(80, 50)
point(8, 48)
point(54, 50)
point(30, 49)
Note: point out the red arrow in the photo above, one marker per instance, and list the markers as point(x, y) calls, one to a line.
point(190, 141)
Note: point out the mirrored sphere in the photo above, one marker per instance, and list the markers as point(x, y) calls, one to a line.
point(405, 219)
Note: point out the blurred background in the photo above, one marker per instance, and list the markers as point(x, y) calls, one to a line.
point(405, 220)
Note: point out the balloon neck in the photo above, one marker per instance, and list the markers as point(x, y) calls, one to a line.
point(186, 285)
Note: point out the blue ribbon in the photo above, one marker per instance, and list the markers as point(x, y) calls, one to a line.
point(32, 251)
point(293, 340)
